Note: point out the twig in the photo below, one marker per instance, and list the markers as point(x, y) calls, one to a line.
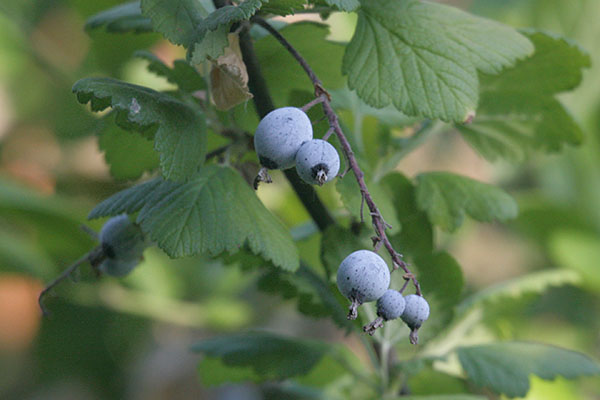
point(65, 274)
point(379, 224)
point(312, 103)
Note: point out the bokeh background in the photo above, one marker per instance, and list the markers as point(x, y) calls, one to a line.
point(130, 338)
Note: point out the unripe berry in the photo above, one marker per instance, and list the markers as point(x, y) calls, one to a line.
point(123, 244)
point(363, 276)
point(415, 313)
point(279, 136)
point(317, 162)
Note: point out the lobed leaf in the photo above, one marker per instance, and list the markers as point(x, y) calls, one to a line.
point(536, 282)
point(229, 14)
point(123, 18)
point(184, 75)
point(518, 111)
point(314, 297)
point(128, 155)
point(283, 7)
point(261, 356)
point(344, 5)
point(505, 367)
point(447, 198)
point(177, 20)
point(179, 131)
point(423, 57)
point(213, 212)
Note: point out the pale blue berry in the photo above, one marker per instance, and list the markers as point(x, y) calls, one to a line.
point(279, 136)
point(123, 244)
point(317, 162)
point(362, 277)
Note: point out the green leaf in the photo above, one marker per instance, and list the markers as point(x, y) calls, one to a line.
point(424, 57)
point(416, 235)
point(536, 282)
point(283, 73)
point(518, 111)
point(445, 397)
point(315, 297)
point(125, 17)
point(262, 356)
point(447, 197)
point(212, 45)
point(283, 7)
point(179, 131)
point(230, 14)
point(505, 367)
point(351, 196)
point(215, 211)
point(337, 242)
point(178, 20)
point(441, 280)
point(182, 74)
point(128, 155)
point(344, 5)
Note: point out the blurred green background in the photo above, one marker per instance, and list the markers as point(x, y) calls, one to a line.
point(129, 338)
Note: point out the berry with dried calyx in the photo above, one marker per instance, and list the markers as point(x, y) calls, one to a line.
point(389, 306)
point(279, 136)
point(362, 277)
point(415, 313)
point(317, 162)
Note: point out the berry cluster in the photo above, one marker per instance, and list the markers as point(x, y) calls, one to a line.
point(364, 276)
point(284, 138)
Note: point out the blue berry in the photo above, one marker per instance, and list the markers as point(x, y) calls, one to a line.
point(317, 162)
point(279, 136)
point(415, 313)
point(122, 243)
point(362, 277)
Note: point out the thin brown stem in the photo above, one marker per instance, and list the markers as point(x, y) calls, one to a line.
point(379, 224)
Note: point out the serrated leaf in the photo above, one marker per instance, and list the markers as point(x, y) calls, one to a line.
point(215, 211)
point(536, 282)
point(505, 367)
point(212, 45)
point(424, 57)
point(229, 14)
point(283, 7)
point(265, 356)
point(447, 198)
point(128, 155)
point(179, 131)
point(416, 234)
point(315, 298)
point(125, 17)
point(185, 76)
point(351, 196)
point(178, 20)
point(344, 5)
point(518, 111)
point(283, 73)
